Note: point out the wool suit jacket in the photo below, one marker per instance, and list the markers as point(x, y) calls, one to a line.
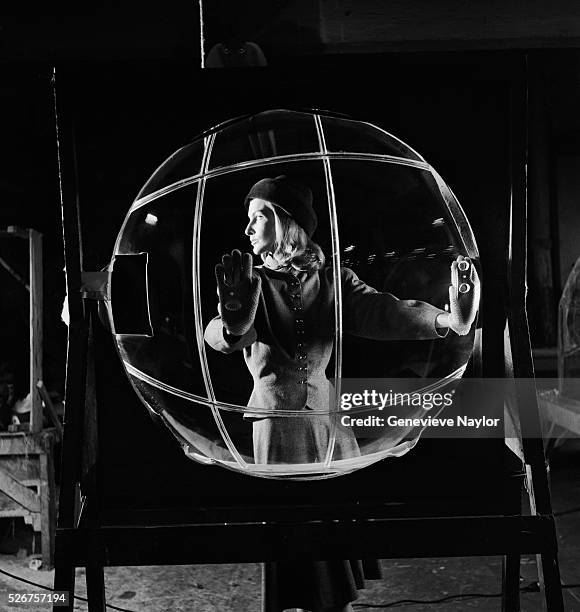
point(289, 345)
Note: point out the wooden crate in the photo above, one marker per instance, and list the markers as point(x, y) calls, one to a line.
point(27, 485)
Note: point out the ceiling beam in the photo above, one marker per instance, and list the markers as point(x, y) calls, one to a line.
point(287, 28)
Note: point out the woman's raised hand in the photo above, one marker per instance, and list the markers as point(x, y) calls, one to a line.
point(464, 294)
point(238, 291)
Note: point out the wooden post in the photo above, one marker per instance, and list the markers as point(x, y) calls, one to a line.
point(510, 583)
point(520, 345)
point(543, 317)
point(47, 501)
point(35, 300)
point(71, 454)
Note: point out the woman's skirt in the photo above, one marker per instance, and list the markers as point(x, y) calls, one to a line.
point(316, 585)
point(310, 584)
point(301, 439)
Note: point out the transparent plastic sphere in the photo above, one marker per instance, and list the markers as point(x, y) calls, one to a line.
point(569, 336)
point(389, 229)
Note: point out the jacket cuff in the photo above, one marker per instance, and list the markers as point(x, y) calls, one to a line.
point(230, 338)
point(443, 332)
point(217, 337)
point(237, 343)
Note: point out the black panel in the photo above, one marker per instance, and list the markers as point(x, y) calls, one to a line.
point(130, 117)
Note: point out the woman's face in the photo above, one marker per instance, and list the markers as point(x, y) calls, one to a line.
point(261, 228)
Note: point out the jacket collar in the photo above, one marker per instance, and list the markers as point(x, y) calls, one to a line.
point(271, 267)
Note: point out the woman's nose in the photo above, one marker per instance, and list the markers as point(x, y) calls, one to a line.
point(249, 229)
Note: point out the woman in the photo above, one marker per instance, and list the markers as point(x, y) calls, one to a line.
point(281, 315)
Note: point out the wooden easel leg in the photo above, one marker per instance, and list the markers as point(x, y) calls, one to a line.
point(96, 587)
point(548, 567)
point(549, 572)
point(264, 588)
point(64, 580)
point(511, 583)
point(268, 589)
point(47, 506)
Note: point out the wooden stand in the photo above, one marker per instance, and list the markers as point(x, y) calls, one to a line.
point(101, 536)
point(27, 485)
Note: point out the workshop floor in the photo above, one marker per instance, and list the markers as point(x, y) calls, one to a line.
point(236, 588)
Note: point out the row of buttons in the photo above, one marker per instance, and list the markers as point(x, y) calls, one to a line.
point(295, 296)
point(300, 354)
point(297, 307)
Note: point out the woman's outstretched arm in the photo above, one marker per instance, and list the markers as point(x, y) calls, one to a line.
point(382, 316)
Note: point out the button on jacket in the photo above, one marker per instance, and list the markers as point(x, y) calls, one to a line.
point(290, 344)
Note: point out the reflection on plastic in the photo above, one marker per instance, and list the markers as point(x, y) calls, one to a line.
point(130, 304)
point(360, 299)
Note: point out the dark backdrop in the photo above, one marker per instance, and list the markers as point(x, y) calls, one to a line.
point(128, 117)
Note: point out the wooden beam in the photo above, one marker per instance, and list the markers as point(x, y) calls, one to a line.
point(501, 23)
point(15, 232)
point(35, 264)
point(48, 505)
point(50, 409)
point(13, 273)
point(20, 444)
point(19, 493)
point(127, 545)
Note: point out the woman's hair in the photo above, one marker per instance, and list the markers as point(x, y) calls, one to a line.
point(293, 246)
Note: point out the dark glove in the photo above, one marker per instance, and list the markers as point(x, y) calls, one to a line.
point(464, 294)
point(239, 291)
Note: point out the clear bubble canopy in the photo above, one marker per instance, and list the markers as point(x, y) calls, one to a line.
point(569, 335)
point(388, 225)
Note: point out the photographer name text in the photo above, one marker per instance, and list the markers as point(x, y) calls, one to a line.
point(395, 421)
